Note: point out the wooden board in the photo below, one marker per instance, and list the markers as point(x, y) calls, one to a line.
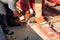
point(38, 8)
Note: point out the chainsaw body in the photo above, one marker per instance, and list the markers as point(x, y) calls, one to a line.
point(23, 8)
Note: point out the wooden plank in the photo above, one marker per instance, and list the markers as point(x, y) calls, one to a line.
point(38, 8)
point(38, 31)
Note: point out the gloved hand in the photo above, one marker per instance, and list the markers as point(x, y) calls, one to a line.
point(31, 11)
point(22, 17)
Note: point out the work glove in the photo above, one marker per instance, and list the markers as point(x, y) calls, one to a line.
point(22, 17)
point(31, 11)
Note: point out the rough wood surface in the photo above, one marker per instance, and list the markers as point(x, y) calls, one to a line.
point(38, 8)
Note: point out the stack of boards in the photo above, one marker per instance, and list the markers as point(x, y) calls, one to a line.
point(55, 21)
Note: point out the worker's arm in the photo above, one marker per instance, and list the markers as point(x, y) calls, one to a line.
point(30, 9)
point(49, 3)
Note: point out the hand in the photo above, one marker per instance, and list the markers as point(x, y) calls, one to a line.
point(31, 11)
point(22, 17)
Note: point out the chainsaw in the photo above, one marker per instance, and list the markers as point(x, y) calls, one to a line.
point(25, 9)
